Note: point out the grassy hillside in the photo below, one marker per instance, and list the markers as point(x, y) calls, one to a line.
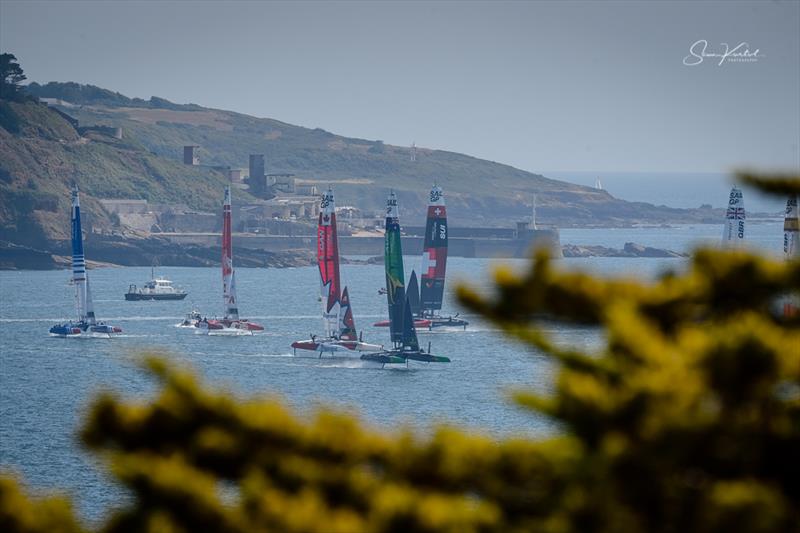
point(41, 155)
point(362, 171)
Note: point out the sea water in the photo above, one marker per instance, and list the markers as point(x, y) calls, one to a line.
point(47, 383)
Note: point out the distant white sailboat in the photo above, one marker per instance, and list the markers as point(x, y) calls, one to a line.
point(598, 184)
point(791, 248)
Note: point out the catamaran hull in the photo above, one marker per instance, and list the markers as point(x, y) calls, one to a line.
point(422, 324)
point(102, 328)
point(65, 331)
point(337, 348)
point(223, 332)
point(242, 324)
point(83, 329)
point(418, 323)
point(447, 323)
point(384, 358)
point(403, 357)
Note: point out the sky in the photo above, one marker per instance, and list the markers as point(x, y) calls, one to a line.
point(578, 86)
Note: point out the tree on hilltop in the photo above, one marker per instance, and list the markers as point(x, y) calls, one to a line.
point(11, 75)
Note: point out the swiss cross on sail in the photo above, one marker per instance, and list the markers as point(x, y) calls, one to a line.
point(434, 255)
point(429, 263)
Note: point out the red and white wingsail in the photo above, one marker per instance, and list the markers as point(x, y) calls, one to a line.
point(434, 254)
point(328, 261)
point(228, 275)
point(340, 339)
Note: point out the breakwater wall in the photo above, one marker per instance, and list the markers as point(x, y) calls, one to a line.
point(372, 246)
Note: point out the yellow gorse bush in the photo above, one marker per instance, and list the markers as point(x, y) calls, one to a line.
point(687, 420)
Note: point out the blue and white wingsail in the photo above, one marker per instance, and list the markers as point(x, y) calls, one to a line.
point(86, 323)
point(733, 233)
point(78, 259)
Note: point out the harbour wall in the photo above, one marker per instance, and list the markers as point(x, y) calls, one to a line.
point(372, 246)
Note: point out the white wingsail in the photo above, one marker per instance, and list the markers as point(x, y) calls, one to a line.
point(791, 248)
point(733, 234)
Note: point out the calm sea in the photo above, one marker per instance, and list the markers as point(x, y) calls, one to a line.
point(673, 189)
point(46, 383)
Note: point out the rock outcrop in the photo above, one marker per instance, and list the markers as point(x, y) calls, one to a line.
point(630, 249)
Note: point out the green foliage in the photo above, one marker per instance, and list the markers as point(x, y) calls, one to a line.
point(9, 120)
point(11, 75)
point(687, 420)
point(78, 93)
point(46, 515)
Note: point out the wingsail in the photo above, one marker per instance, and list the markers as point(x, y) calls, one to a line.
point(347, 325)
point(791, 248)
point(231, 323)
point(393, 261)
point(733, 234)
point(84, 306)
point(412, 293)
point(401, 322)
point(79, 275)
point(340, 336)
point(434, 254)
point(328, 261)
point(228, 276)
point(409, 339)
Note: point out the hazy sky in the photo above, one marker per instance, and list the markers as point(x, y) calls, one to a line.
point(541, 86)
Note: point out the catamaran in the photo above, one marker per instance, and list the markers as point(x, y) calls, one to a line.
point(337, 315)
point(791, 248)
point(405, 345)
point(86, 325)
point(733, 233)
point(231, 323)
point(426, 297)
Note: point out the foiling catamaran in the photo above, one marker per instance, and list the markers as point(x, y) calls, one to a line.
point(340, 336)
point(231, 323)
point(86, 325)
point(405, 345)
point(426, 297)
point(733, 233)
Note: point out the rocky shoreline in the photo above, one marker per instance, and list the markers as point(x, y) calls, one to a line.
point(631, 249)
point(119, 251)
